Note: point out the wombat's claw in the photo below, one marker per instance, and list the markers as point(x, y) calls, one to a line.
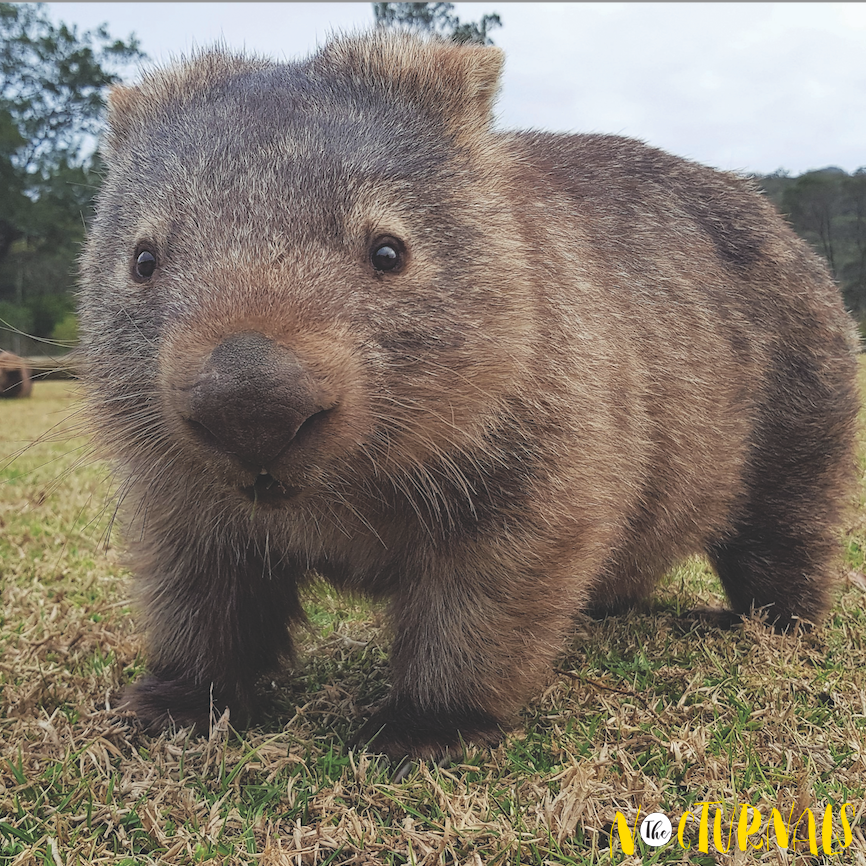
point(716, 617)
point(405, 734)
point(363, 739)
point(160, 704)
point(444, 762)
point(403, 766)
point(406, 766)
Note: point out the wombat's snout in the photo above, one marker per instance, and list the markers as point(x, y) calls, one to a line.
point(252, 398)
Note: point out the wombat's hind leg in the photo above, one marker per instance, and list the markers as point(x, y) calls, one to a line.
point(788, 576)
point(782, 552)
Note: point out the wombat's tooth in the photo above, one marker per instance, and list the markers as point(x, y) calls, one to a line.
point(263, 471)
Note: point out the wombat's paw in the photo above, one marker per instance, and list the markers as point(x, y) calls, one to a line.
point(714, 617)
point(161, 704)
point(402, 732)
point(724, 619)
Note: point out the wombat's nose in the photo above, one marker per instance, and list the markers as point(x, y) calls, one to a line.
point(251, 398)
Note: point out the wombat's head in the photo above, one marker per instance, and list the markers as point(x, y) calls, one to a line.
point(302, 278)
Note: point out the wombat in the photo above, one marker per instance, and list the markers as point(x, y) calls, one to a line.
point(336, 323)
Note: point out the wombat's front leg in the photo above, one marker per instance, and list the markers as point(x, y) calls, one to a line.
point(215, 619)
point(466, 655)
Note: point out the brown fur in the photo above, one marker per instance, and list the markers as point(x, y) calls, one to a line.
point(594, 359)
point(15, 380)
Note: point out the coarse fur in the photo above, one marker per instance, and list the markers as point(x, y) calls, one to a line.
point(590, 359)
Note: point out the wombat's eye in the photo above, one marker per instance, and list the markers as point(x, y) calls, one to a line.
point(386, 254)
point(144, 264)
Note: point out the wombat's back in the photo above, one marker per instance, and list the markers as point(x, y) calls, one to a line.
point(728, 347)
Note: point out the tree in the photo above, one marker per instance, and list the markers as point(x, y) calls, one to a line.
point(828, 209)
point(813, 204)
point(13, 201)
point(52, 81)
point(438, 18)
point(854, 270)
point(52, 85)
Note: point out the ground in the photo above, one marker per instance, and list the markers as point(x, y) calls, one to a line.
point(652, 710)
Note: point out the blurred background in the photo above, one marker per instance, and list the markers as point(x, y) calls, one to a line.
point(772, 90)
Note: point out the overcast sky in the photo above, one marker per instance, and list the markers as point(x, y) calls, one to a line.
point(750, 87)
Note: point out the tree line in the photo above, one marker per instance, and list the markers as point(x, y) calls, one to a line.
point(53, 81)
point(828, 209)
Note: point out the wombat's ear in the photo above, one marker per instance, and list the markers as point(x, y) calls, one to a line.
point(455, 83)
point(468, 84)
point(121, 102)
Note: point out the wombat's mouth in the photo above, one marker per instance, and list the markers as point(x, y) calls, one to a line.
point(267, 490)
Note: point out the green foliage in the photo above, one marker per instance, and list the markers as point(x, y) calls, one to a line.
point(438, 18)
point(65, 331)
point(13, 202)
point(15, 317)
point(52, 81)
point(828, 209)
point(812, 202)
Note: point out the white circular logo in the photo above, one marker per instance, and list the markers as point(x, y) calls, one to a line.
point(656, 829)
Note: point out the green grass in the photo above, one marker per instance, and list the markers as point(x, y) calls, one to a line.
point(652, 710)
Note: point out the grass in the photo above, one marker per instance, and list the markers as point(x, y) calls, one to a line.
point(651, 710)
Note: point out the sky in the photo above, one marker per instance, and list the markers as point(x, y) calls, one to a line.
point(748, 87)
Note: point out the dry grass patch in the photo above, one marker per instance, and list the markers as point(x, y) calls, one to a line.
point(651, 710)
